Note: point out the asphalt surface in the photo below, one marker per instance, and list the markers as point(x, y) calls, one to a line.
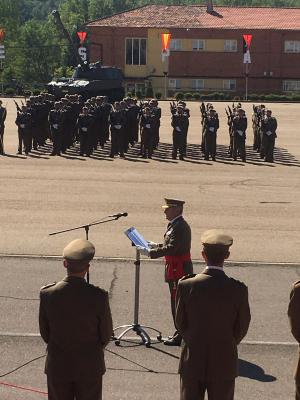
point(267, 355)
point(258, 203)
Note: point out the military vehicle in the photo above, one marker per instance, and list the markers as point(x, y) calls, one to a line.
point(88, 79)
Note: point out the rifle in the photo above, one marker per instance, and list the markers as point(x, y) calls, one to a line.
point(17, 106)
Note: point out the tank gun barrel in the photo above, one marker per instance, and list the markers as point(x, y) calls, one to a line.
point(56, 16)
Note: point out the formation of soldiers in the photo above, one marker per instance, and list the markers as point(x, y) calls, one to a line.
point(92, 123)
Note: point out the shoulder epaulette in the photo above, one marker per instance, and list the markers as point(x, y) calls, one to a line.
point(187, 277)
point(49, 285)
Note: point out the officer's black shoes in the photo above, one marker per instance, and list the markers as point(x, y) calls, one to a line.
point(122, 155)
point(111, 156)
point(174, 341)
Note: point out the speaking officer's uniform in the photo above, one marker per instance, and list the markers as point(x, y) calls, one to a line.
point(176, 250)
point(75, 322)
point(213, 316)
point(294, 317)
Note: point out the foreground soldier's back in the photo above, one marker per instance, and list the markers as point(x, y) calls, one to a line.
point(213, 316)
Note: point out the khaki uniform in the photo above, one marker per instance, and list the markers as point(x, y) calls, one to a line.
point(213, 316)
point(75, 322)
point(177, 242)
point(294, 316)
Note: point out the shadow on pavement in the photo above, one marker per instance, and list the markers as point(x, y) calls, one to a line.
point(253, 371)
point(163, 153)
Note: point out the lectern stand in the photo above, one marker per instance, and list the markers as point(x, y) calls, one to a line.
point(135, 326)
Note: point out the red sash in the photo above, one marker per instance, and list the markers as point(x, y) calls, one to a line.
point(175, 266)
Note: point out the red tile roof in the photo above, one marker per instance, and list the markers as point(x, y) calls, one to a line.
point(160, 16)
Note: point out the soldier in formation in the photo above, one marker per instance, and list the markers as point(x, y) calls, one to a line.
point(117, 122)
point(180, 124)
point(3, 114)
point(264, 131)
point(237, 123)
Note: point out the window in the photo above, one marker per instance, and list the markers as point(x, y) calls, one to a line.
point(174, 83)
point(198, 83)
point(198, 45)
point(292, 46)
point(136, 50)
point(230, 45)
point(291, 86)
point(175, 44)
point(229, 84)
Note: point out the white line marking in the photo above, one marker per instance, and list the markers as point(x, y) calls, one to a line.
point(231, 263)
point(154, 339)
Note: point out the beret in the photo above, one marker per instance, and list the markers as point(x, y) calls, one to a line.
point(79, 250)
point(216, 237)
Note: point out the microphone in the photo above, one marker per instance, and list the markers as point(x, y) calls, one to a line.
point(119, 215)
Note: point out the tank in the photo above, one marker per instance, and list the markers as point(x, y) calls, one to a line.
point(88, 80)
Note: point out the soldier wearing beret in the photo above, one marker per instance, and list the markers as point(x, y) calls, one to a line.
point(176, 250)
point(294, 317)
point(75, 322)
point(213, 316)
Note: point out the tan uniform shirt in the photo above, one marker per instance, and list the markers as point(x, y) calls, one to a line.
point(213, 316)
point(75, 322)
point(294, 317)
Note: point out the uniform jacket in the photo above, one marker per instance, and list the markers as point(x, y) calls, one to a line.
point(177, 242)
point(180, 123)
point(213, 316)
point(269, 124)
point(294, 317)
point(75, 322)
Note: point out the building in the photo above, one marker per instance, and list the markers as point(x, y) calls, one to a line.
point(206, 51)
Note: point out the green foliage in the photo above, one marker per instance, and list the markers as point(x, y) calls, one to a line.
point(188, 96)
point(139, 95)
point(9, 91)
point(197, 96)
point(36, 50)
point(179, 96)
point(149, 92)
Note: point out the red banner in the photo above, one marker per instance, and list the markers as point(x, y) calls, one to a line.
point(166, 39)
point(82, 36)
point(2, 34)
point(248, 39)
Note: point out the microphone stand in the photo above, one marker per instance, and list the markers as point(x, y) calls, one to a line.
point(136, 326)
point(86, 227)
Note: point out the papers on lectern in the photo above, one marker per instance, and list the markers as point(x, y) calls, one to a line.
point(136, 238)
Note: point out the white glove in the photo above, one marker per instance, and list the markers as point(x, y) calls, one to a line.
point(143, 251)
point(152, 245)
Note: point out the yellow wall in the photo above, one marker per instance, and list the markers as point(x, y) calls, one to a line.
point(158, 85)
point(137, 71)
point(216, 45)
point(154, 60)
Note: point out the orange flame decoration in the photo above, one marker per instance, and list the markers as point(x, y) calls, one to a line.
point(2, 34)
point(82, 36)
point(166, 39)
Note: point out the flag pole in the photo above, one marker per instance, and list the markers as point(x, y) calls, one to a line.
point(247, 75)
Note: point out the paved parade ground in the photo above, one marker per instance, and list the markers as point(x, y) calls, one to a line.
point(267, 355)
point(256, 202)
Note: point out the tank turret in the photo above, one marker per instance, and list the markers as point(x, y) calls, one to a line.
point(88, 79)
